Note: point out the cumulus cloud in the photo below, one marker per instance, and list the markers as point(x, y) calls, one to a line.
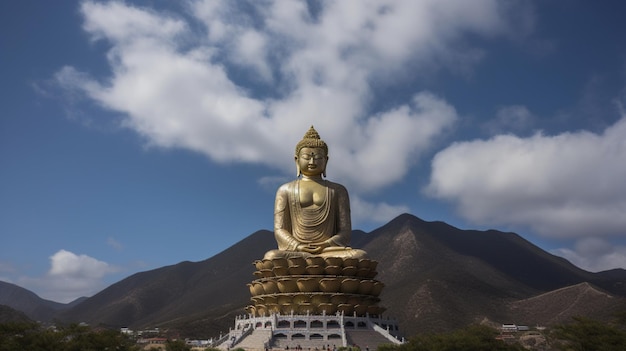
point(363, 210)
point(243, 84)
point(566, 185)
point(510, 119)
point(594, 254)
point(70, 276)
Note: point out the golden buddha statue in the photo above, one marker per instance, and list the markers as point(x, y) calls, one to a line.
point(311, 214)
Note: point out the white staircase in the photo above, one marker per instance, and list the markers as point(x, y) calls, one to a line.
point(255, 340)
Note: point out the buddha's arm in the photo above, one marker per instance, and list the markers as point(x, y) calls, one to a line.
point(282, 221)
point(343, 224)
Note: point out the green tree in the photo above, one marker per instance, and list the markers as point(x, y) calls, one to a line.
point(29, 336)
point(33, 337)
point(14, 336)
point(585, 334)
point(472, 338)
point(177, 345)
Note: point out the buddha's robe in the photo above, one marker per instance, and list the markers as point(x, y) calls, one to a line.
point(326, 224)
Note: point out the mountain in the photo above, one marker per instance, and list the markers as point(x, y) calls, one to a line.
point(437, 278)
point(194, 296)
point(11, 315)
point(560, 305)
point(29, 303)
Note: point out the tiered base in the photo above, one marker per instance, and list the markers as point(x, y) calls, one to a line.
point(315, 285)
point(310, 331)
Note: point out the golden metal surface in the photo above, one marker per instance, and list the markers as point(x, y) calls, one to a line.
point(311, 214)
point(314, 270)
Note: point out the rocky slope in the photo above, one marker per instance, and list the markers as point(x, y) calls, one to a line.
point(437, 278)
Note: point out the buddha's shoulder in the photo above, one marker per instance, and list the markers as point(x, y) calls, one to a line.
point(336, 186)
point(287, 186)
point(292, 184)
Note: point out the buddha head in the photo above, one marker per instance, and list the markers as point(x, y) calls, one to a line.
point(311, 154)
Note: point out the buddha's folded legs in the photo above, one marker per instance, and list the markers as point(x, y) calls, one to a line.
point(333, 251)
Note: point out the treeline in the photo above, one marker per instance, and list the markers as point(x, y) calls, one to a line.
point(34, 337)
point(472, 338)
point(581, 334)
point(31, 336)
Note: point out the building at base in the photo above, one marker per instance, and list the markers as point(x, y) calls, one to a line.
point(313, 303)
point(321, 332)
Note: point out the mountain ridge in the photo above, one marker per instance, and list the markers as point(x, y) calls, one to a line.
point(30, 303)
point(437, 277)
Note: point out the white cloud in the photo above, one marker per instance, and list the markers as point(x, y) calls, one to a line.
point(273, 182)
point(567, 185)
point(68, 264)
point(251, 50)
point(6, 267)
point(364, 211)
point(510, 119)
point(6, 271)
point(594, 255)
point(127, 25)
point(112, 242)
point(70, 276)
point(249, 85)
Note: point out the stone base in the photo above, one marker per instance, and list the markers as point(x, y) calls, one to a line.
point(315, 285)
point(324, 332)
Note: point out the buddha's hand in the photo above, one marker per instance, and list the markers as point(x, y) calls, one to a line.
point(312, 249)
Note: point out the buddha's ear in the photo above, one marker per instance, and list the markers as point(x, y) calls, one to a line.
point(325, 166)
point(298, 171)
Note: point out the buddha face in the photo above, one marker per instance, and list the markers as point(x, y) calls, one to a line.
point(312, 161)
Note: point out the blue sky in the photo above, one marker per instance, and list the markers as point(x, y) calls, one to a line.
point(139, 134)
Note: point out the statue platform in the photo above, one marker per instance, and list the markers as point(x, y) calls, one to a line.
point(313, 303)
point(321, 332)
point(315, 285)
point(314, 291)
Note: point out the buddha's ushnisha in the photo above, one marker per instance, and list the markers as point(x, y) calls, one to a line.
point(311, 214)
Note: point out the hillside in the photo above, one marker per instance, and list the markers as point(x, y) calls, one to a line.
point(561, 305)
point(28, 302)
point(444, 278)
point(437, 278)
point(11, 315)
point(201, 296)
